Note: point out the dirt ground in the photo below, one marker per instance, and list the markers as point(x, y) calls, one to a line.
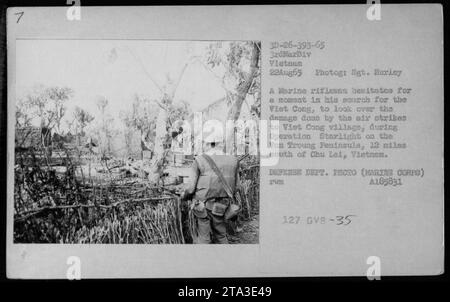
point(247, 233)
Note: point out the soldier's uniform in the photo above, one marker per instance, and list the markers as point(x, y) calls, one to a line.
point(210, 198)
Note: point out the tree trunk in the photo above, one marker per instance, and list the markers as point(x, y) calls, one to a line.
point(239, 98)
point(142, 146)
point(157, 162)
point(160, 148)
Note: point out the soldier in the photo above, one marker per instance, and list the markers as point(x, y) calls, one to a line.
point(210, 199)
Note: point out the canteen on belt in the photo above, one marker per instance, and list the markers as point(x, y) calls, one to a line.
point(199, 209)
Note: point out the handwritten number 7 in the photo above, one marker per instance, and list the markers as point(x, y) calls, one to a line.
point(21, 14)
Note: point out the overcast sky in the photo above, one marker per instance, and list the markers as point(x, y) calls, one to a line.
point(114, 69)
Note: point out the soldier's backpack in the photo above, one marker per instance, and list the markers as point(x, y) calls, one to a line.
point(235, 207)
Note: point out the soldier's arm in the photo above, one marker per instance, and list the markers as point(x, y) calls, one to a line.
point(194, 173)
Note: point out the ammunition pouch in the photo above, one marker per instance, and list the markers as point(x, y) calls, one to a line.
point(220, 206)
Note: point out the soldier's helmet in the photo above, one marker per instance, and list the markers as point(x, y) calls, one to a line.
point(213, 137)
point(213, 133)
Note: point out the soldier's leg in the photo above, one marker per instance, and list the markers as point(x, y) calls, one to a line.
point(219, 229)
point(204, 230)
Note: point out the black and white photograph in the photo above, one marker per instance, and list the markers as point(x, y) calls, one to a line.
point(224, 141)
point(127, 141)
